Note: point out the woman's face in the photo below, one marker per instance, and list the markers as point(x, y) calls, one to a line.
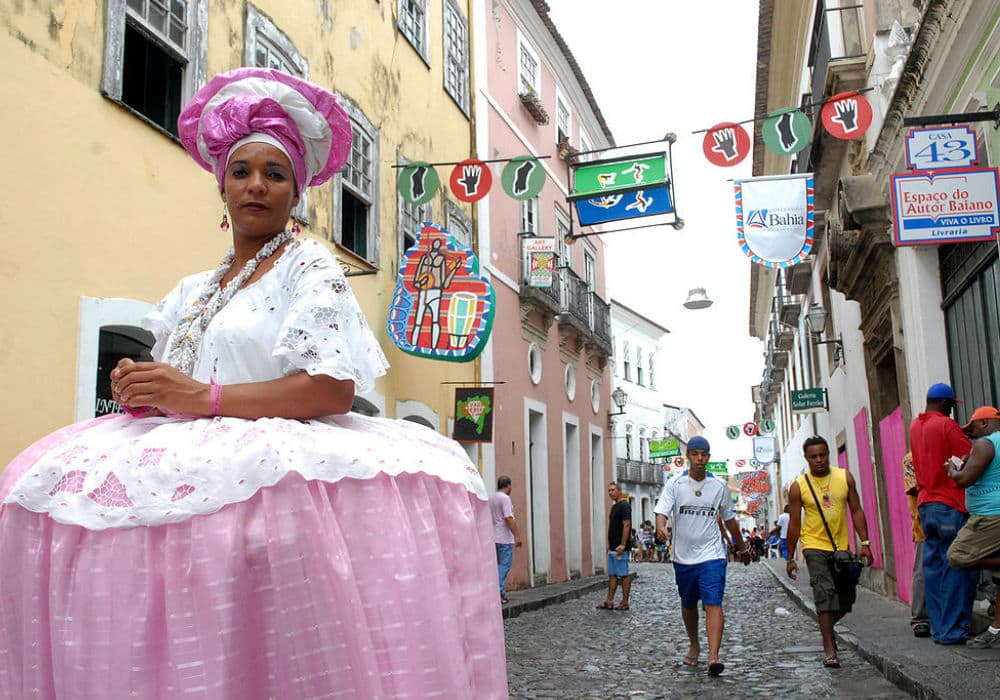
point(259, 190)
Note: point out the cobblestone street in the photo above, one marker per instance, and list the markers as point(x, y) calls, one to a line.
point(572, 650)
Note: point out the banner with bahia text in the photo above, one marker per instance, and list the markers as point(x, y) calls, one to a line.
point(775, 219)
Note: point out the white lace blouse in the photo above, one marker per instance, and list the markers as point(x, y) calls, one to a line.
point(300, 315)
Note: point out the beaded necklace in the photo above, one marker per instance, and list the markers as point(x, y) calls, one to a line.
point(186, 338)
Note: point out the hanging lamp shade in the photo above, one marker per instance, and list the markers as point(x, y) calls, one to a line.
point(697, 299)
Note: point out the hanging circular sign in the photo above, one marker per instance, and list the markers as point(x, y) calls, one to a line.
point(471, 180)
point(767, 426)
point(523, 177)
point(846, 115)
point(753, 463)
point(786, 131)
point(678, 462)
point(726, 144)
point(749, 429)
point(418, 183)
point(733, 432)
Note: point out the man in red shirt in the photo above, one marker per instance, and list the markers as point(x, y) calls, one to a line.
point(935, 438)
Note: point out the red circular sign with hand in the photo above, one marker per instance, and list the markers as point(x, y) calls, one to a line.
point(847, 115)
point(726, 144)
point(749, 429)
point(471, 180)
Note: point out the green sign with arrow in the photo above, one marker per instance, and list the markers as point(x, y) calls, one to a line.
point(719, 468)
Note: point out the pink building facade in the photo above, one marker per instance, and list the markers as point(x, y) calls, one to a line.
point(549, 357)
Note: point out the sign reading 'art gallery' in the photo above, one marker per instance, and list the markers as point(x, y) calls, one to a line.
point(774, 219)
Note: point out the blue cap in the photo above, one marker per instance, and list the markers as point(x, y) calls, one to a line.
point(942, 391)
point(698, 443)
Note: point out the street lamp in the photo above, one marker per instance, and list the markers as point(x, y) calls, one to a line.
point(697, 299)
point(620, 398)
point(816, 320)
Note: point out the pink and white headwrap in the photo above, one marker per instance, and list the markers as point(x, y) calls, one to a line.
point(305, 120)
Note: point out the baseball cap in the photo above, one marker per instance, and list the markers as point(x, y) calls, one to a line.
point(982, 413)
point(942, 391)
point(698, 443)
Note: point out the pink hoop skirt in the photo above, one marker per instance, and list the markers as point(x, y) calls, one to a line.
point(378, 587)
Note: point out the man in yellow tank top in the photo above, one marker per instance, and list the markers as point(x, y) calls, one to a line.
point(832, 492)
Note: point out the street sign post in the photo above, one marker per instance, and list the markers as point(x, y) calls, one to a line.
point(621, 189)
point(809, 400)
point(664, 448)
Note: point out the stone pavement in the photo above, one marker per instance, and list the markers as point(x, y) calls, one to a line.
point(771, 648)
point(878, 629)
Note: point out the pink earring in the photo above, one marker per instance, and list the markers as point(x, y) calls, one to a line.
point(295, 227)
point(224, 225)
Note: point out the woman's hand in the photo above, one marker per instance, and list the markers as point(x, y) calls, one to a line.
point(156, 384)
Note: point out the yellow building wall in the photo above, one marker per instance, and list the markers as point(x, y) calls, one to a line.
point(100, 204)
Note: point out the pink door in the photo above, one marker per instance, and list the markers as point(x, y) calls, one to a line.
point(893, 435)
point(867, 477)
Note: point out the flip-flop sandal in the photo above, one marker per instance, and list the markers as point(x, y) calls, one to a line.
point(831, 662)
point(690, 661)
point(716, 668)
point(605, 606)
point(621, 607)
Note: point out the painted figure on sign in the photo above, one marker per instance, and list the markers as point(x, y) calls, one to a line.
point(434, 273)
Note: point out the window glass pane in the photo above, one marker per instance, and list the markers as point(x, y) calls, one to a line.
point(158, 16)
point(152, 79)
point(177, 33)
point(260, 55)
point(139, 6)
point(178, 8)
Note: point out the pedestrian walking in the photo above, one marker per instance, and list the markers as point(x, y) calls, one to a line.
point(782, 528)
point(619, 533)
point(977, 545)
point(935, 438)
point(919, 621)
point(693, 502)
point(505, 532)
point(828, 496)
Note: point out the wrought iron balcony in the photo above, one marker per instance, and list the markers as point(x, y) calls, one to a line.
point(636, 472)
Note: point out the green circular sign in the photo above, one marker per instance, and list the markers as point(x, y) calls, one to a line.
point(767, 425)
point(786, 131)
point(733, 432)
point(418, 183)
point(523, 177)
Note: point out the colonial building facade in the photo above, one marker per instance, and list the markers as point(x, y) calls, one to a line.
point(106, 211)
point(549, 357)
point(898, 318)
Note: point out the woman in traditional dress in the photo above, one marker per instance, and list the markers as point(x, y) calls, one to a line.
point(241, 535)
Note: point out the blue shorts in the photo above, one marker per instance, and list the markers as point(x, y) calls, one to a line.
point(617, 567)
point(705, 581)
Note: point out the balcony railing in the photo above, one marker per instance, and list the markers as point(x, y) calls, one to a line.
point(574, 301)
point(636, 472)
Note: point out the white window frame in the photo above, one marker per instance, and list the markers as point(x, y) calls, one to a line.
point(360, 122)
point(422, 212)
point(260, 29)
point(530, 216)
point(562, 104)
point(194, 53)
point(523, 47)
point(456, 64)
point(584, 142)
point(458, 224)
point(420, 44)
point(639, 369)
point(564, 249)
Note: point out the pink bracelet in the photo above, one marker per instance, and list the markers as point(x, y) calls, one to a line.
point(215, 396)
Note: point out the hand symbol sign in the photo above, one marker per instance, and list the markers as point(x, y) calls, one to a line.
point(847, 114)
point(725, 143)
point(470, 179)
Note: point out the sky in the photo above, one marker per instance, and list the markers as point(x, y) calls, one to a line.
point(659, 66)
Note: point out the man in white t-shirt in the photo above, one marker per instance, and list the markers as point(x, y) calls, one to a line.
point(693, 502)
point(505, 532)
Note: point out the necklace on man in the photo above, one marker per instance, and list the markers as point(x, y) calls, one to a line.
point(694, 487)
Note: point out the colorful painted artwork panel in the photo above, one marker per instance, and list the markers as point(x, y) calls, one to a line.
point(442, 307)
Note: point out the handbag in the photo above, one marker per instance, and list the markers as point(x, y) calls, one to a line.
point(844, 565)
